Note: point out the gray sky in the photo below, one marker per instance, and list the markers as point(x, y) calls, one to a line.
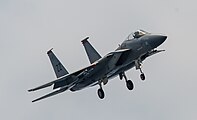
point(28, 28)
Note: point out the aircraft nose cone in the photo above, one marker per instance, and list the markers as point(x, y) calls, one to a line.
point(157, 40)
point(162, 38)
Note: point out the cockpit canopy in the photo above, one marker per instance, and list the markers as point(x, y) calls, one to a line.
point(137, 34)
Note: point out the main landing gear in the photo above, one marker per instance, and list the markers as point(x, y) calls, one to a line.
point(122, 75)
point(129, 83)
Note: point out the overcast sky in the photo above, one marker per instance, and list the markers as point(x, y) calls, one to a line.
point(28, 28)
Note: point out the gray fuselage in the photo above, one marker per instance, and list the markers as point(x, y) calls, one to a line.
point(137, 49)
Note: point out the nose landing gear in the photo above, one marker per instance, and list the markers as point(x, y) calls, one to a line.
point(100, 91)
point(142, 75)
point(138, 65)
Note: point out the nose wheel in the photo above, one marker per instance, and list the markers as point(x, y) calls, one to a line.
point(138, 65)
point(100, 91)
point(142, 75)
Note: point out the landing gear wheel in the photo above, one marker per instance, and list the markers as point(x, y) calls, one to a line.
point(101, 93)
point(130, 85)
point(142, 76)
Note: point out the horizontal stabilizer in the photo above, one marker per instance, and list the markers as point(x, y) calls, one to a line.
point(51, 94)
point(40, 87)
point(92, 54)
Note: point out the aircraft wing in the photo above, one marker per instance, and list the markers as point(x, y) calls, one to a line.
point(68, 81)
point(57, 83)
point(61, 79)
point(64, 82)
point(48, 84)
point(110, 60)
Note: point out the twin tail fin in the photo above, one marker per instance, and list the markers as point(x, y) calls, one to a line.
point(58, 67)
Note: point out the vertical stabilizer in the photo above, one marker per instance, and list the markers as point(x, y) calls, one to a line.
point(59, 69)
point(92, 54)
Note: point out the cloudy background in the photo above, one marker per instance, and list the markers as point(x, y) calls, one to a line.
point(28, 28)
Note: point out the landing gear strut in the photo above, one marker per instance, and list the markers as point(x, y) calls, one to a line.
point(129, 83)
point(100, 91)
point(138, 65)
point(142, 76)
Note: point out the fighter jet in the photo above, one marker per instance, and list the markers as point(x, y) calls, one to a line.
point(131, 53)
